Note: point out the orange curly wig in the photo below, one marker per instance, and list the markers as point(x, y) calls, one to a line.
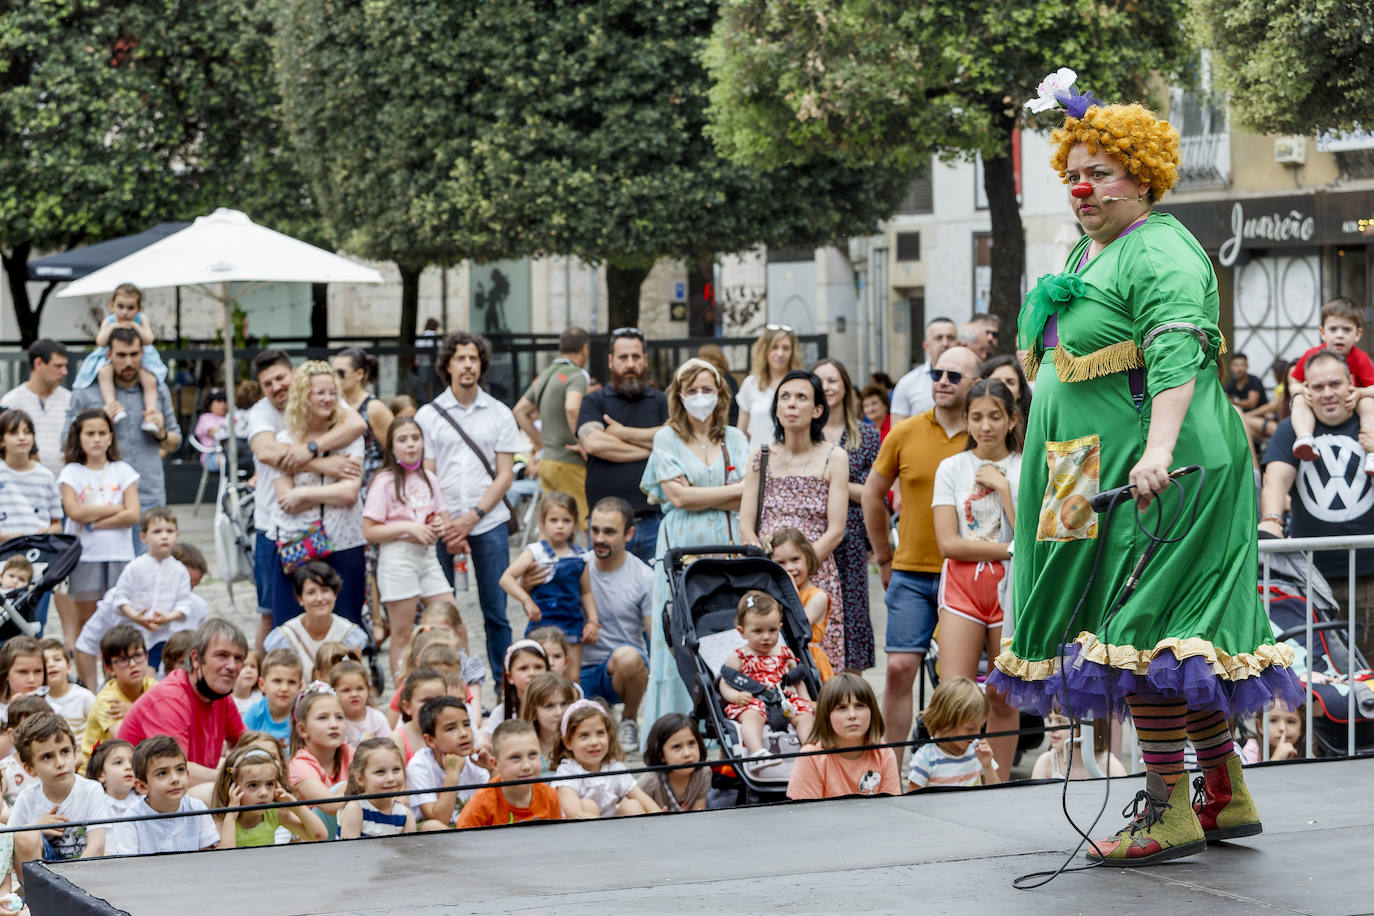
point(1148, 145)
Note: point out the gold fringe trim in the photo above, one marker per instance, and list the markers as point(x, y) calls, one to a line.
point(1232, 667)
point(1119, 357)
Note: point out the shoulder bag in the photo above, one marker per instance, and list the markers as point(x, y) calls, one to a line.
point(513, 523)
point(763, 478)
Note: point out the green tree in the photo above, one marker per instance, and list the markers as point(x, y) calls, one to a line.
point(883, 82)
point(578, 128)
point(1292, 66)
point(114, 117)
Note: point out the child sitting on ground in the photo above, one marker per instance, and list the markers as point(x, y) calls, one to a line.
point(362, 721)
point(246, 684)
point(70, 701)
point(23, 669)
point(546, 698)
point(160, 777)
point(588, 747)
point(766, 658)
point(957, 709)
point(112, 765)
point(675, 741)
point(847, 717)
point(174, 650)
point(329, 654)
point(13, 776)
point(126, 311)
point(154, 590)
point(516, 749)
point(48, 751)
point(421, 686)
point(524, 659)
point(1285, 735)
point(253, 776)
point(320, 756)
point(445, 760)
point(377, 767)
point(565, 599)
point(1064, 752)
point(280, 682)
point(197, 568)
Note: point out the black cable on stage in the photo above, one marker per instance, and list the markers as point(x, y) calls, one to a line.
point(1160, 536)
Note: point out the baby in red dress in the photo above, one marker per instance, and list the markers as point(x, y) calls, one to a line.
point(765, 657)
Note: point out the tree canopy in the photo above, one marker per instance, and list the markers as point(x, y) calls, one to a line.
point(891, 83)
point(1292, 66)
point(529, 128)
point(115, 117)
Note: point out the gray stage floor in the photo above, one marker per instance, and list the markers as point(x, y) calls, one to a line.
point(940, 853)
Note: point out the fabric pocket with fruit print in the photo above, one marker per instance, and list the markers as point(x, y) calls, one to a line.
point(1074, 471)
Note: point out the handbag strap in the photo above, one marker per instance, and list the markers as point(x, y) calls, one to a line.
point(763, 478)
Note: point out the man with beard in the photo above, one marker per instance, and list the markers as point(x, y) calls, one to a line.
point(616, 427)
point(143, 449)
point(195, 704)
point(615, 667)
point(273, 370)
point(470, 445)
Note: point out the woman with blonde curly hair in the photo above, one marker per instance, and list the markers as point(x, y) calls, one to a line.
point(1125, 341)
point(313, 407)
point(694, 473)
point(773, 355)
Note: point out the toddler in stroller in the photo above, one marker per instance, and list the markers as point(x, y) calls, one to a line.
point(50, 558)
point(761, 678)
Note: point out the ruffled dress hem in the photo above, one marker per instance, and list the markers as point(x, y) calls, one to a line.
point(1097, 678)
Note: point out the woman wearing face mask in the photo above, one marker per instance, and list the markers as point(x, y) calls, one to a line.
point(694, 474)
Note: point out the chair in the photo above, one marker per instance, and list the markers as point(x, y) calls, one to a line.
point(204, 467)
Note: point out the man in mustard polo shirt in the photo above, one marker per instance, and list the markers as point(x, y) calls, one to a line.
point(910, 454)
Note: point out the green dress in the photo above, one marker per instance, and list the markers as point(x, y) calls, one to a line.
point(1194, 629)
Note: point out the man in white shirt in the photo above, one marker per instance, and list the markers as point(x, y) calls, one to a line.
point(273, 370)
point(46, 402)
point(913, 392)
point(474, 482)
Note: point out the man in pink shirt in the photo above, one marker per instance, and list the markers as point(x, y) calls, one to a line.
point(195, 705)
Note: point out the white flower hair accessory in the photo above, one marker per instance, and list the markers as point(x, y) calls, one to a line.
point(576, 705)
point(313, 688)
point(1050, 88)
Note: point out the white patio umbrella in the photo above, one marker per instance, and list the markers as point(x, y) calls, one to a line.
point(214, 251)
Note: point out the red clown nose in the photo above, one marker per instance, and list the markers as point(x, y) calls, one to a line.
point(1081, 190)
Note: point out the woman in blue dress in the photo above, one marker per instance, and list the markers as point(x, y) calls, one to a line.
point(695, 474)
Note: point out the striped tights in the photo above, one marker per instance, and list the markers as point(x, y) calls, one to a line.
point(1162, 726)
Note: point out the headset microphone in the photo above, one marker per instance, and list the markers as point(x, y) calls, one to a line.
point(1106, 199)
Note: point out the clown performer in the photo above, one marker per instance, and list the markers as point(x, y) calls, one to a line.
point(1128, 334)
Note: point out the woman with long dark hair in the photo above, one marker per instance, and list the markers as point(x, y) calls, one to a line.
point(805, 485)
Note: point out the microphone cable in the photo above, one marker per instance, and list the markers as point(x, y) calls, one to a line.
point(1160, 536)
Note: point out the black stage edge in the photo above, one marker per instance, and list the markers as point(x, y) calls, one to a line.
point(941, 852)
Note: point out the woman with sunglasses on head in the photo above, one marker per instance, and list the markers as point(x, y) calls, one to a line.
point(773, 355)
point(804, 484)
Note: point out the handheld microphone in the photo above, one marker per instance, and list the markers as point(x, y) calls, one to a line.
point(1105, 500)
point(1108, 199)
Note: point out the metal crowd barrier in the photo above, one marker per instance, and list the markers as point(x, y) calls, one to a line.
point(1306, 546)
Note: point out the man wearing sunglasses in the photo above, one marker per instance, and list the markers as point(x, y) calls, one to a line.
point(913, 392)
point(616, 427)
point(909, 455)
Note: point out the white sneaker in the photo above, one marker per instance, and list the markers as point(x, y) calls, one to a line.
point(119, 417)
point(628, 734)
point(1304, 449)
point(151, 427)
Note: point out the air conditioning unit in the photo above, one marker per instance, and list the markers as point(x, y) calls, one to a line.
point(1290, 150)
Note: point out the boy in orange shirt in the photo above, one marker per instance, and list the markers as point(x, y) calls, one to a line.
point(515, 746)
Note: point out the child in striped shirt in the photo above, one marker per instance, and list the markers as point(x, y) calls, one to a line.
point(957, 707)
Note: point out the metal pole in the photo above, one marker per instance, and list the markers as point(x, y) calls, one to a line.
point(231, 444)
point(1264, 713)
point(1308, 726)
point(1349, 662)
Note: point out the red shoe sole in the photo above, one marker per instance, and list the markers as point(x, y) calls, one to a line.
point(1304, 452)
point(1164, 855)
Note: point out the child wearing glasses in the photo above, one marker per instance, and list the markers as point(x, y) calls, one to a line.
point(125, 659)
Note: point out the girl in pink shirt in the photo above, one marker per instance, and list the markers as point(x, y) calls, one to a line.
point(320, 755)
point(847, 716)
point(405, 513)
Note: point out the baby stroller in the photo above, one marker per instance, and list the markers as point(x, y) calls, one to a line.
point(699, 627)
point(53, 556)
point(1331, 654)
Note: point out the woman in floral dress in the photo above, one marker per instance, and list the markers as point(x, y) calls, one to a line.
point(805, 486)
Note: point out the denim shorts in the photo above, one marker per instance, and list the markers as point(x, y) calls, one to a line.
point(912, 611)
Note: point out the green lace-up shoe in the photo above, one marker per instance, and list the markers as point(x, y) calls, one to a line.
point(1224, 806)
point(1163, 826)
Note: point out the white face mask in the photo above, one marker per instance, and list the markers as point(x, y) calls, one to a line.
point(699, 406)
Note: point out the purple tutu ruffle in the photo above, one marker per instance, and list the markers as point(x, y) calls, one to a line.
point(1089, 684)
